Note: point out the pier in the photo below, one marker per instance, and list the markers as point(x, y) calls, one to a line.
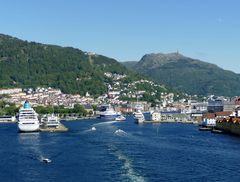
point(60, 128)
point(166, 121)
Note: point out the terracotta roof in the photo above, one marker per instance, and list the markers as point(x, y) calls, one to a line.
point(210, 115)
point(224, 113)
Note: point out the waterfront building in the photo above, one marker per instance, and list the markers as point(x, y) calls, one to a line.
point(228, 105)
point(4, 119)
point(209, 120)
point(156, 116)
point(215, 105)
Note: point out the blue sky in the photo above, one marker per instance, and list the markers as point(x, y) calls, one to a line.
point(127, 29)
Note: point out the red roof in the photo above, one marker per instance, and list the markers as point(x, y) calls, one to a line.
point(224, 113)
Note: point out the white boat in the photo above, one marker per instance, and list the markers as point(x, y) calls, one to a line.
point(27, 119)
point(119, 131)
point(46, 160)
point(50, 121)
point(138, 117)
point(93, 128)
point(120, 118)
point(107, 111)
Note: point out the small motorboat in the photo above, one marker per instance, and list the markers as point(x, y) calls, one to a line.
point(93, 128)
point(46, 160)
point(119, 131)
point(120, 118)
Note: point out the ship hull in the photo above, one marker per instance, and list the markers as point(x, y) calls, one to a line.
point(109, 115)
point(139, 120)
point(28, 127)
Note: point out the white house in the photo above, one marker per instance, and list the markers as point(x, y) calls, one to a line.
point(156, 116)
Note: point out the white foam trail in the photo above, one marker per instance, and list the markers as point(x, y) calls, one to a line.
point(120, 132)
point(105, 123)
point(131, 174)
point(127, 165)
point(88, 130)
point(41, 157)
point(31, 142)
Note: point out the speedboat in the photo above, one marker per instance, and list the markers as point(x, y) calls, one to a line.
point(93, 128)
point(46, 160)
point(120, 118)
point(119, 131)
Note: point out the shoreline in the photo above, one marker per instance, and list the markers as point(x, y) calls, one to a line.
point(182, 122)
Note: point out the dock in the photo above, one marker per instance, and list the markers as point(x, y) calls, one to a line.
point(151, 122)
point(166, 121)
point(60, 128)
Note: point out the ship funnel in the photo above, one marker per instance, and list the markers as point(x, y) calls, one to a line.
point(26, 105)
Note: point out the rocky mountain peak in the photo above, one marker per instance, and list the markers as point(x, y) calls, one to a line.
point(157, 59)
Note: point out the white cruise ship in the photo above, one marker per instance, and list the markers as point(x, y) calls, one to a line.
point(28, 119)
point(138, 117)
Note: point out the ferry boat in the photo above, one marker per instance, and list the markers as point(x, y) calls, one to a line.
point(50, 121)
point(138, 117)
point(107, 111)
point(27, 119)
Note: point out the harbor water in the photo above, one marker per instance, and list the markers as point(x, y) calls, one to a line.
point(102, 151)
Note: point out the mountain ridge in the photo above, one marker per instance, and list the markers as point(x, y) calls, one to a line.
point(189, 75)
point(31, 64)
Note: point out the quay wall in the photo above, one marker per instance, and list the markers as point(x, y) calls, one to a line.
point(229, 125)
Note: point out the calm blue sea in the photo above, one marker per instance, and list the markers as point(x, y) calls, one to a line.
point(153, 152)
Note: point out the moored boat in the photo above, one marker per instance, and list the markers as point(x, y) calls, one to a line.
point(107, 111)
point(27, 119)
point(138, 117)
point(50, 121)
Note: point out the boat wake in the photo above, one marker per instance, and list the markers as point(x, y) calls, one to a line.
point(31, 143)
point(88, 130)
point(44, 159)
point(106, 123)
point(127, 167)
point(120, 132)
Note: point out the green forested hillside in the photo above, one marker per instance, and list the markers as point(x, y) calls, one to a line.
point(30, 64)
point(189, 75)
point(130, 64)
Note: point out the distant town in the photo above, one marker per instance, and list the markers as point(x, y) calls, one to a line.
point(187, 108)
